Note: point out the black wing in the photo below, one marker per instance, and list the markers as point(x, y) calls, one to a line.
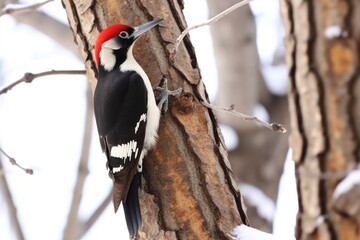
point(120, 103)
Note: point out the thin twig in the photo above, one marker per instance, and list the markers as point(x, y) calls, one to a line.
point(58, 32)
point(72, 225)
point(96, 214)
point(6, 194)
point(17, 8)
point(208, 22)
point(13, 162)
point(29, 77)
point(272, 126)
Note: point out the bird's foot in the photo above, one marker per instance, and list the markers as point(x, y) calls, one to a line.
point(164, 92)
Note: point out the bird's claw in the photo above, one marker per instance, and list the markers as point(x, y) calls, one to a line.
point(163, 98)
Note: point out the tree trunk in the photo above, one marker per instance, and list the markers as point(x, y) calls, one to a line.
point(237, 62)
point(322, 40)
point(259, 158)
point(190, 191)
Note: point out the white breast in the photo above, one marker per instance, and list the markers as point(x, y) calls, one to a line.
point(153, 112)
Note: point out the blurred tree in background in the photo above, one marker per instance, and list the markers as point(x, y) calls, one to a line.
point(259, 157)
point(322, 43)
point(322, 39)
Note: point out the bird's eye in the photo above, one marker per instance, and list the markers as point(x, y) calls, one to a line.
point(124, 34)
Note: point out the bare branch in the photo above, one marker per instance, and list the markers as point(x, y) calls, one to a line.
point(29, 77)
point(272, 126)
point(96, 214)
point(72, 224)
point(59, 32)
point(19, 8)
point(13, 162)
point(10, 203)
point(208, 22)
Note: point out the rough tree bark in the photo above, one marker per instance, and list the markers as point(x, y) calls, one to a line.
point(322, 40)
point(259, 158)
point(190, 191)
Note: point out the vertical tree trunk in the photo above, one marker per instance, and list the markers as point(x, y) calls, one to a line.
point(237, 61)
point(190, 191)
point(322, 40)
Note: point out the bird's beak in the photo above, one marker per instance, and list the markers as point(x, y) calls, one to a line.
point(139, 30)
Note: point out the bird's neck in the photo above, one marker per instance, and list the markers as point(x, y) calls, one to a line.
point(130, 64)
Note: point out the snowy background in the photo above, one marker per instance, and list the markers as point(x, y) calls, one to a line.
point(42, 129)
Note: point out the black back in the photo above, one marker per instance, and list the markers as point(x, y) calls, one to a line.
point(120, 100)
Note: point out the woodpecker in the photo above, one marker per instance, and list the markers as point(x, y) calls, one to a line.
point(126, 113)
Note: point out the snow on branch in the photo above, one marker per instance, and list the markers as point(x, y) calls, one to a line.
point(29, 77)
point(272, 126)
point(345, 199)
point(208, 22)
point(244, 232)
point(352, 179)
point(22, 7)
point(13, 162)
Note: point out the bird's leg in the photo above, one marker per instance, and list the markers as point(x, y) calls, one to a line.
point(162, 99)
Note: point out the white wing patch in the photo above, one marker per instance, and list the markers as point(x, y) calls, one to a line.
point(124, 150)
point(117, 169)
point(142, 118)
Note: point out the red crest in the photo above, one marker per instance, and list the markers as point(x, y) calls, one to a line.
point(105, 35)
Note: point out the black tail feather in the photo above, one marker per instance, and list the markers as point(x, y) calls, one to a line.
point(132, 206)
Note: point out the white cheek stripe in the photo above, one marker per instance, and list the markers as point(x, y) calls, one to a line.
point(142, 118)
point(124, 150)
point(107, 58)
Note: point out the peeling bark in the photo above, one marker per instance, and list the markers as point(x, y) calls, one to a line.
point(324, 79)
point(189, 190)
